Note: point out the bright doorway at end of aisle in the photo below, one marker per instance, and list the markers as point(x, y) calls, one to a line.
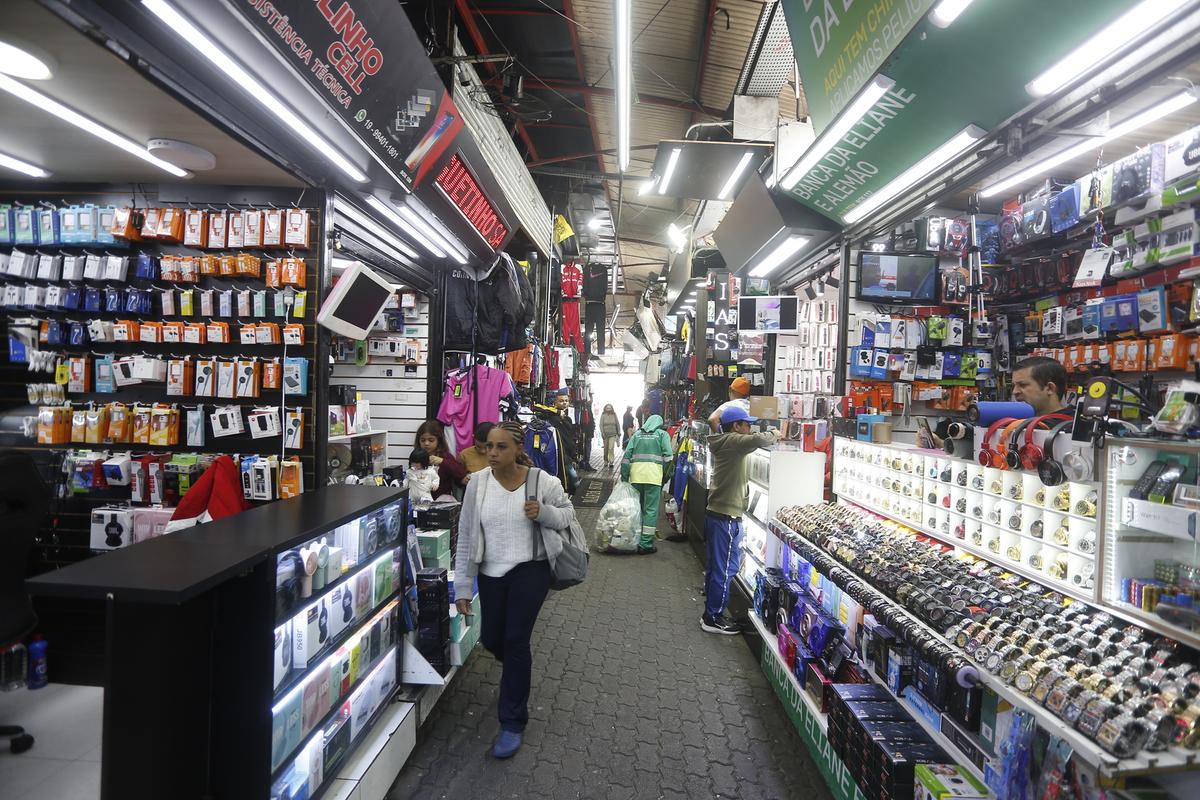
point(621, 390)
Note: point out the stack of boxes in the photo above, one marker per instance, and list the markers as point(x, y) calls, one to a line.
point(433, 614)
point(435, 549)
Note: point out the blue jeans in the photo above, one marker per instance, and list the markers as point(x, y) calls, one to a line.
point(723, 539)
point(509, 606)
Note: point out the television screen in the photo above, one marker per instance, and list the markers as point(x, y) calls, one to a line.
point(897, 278)
point(774, 314)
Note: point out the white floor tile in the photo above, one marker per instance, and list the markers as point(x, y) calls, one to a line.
point(21, 775)
point(76, 780)
point(65, 721)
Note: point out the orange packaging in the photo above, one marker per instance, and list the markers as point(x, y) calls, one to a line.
point(169, 268)
point(78, 425)
point(170, 225)
point(252, 224)
point(141, 425)
point(181, 376)
point(234, 229)
point(195, 333)
point(218, 332)
point(126, 330)
point(150, 332)
point(209, 265)
point(271, 373)
point(118, 423)
point(272, 228)
point(248, 333)
point(249, 374)
point(189, 269)
point(96, 425)
point(150, 223)
point(125, 224)
point(216, 229)
point(1172, 352)
point(267, 333)
point(1152, 348)
point(293, 334)
point(228, 265)
point(272, 273)
point(195, 227)
point(295, 232)
point(293, 272)
point(249, 265)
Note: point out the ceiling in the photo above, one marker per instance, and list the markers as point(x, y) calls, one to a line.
point(687, 58)
point(97, 84)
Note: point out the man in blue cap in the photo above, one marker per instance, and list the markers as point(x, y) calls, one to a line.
point(727, 500)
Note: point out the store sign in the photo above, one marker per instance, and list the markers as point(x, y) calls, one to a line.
point(840, 44)
point(722, 292)
point(365, 60)
point(945, 78)
point(460, 187)
point(837, 775)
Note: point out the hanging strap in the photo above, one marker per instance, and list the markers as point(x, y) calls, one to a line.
point(531, 494)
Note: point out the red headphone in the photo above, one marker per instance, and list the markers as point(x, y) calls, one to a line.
point(986, 454)
point(1031, 454)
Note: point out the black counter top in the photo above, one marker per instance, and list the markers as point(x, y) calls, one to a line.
point(179, 566)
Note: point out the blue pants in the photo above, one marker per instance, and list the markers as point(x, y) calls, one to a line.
point(509, 606)
point(723, 538)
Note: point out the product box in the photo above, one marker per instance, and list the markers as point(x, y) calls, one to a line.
point(283, 652)
point(286, 725)
point(1035, 219)
point(947, 782)
point(1177, 237)
point(964, 741)
point(111, 528)
point(337, 740)
point(1064, 209)
point(1152, 310)
point(311, 631)
point(341, 608)
point(433, 543)
point(1181, 156)
point(996, 717)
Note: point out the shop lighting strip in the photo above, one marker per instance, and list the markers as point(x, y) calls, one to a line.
point(371, 226)
point(250, 85)
point(776, 258)
point(52, 106)
point(393, 215)
point(1169, 106)
point(433, 221)
point(677, 238)
point(23, 167)
point(957, 144)
point(425, 225)
point(868, 97)
point(947, 11)
point(1100, 46)
point(669, 172)
point(734, 176)
point(624, 82)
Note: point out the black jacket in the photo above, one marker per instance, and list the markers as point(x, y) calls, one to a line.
point(489, 315)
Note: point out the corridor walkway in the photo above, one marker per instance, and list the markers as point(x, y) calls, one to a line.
point(630, 700)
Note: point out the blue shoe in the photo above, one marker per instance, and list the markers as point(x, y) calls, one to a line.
point(507, 744)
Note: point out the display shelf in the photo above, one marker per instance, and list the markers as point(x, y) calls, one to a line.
point(1160, 518)
point(363, 681)
point(360, 435)
point(1173, 759)
point(297, 674)
point(1156, 623)
point(347, 576)
point(771, 642)
point(1034, 506)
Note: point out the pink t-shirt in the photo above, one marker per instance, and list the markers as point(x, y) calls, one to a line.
point(463, 408)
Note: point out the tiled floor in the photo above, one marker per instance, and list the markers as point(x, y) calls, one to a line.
point(64, 763)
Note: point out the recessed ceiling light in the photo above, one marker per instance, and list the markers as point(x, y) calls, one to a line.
point(25, 61)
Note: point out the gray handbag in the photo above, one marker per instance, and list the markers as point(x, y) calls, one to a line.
point(570, 567)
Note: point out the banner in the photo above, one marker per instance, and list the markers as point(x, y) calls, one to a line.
point(365, 60)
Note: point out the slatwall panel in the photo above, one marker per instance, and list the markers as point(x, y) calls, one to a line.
point(396, 391)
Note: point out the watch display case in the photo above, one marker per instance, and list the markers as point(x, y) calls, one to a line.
point(1151, 558)
point(1048, 533)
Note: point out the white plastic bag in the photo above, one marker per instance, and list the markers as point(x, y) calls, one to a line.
point(620, 524)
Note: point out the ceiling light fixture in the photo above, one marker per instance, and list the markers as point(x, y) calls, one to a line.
point(25, 61)
point(809, 293)
point(647, 186)
point(445, 239)
point(52, 106)
point(1168, 106)
point(947, 11)
point(870, 94)
point(373, 228)
point(393, 215)
point(735, 175)
point(692, 293)
point(672, 160)
point(23, 167)
point(776, 258)
point(594, 223)
point(955, 146)
point(832, 281)
point(251, 86)
point(1101, 45)
point(677, 237)
point(820, 288)
point(624, 82)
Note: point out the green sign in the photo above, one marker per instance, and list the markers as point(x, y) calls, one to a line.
point(836, 774)
point(840, 44)
point(946, 79)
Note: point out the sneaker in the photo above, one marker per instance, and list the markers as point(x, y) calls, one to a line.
point(507, 744)
point(645, 551)
point(722, 625)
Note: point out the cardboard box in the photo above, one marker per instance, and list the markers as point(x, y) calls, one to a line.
point(432, 544)
point(764, 407)
point(946, 781)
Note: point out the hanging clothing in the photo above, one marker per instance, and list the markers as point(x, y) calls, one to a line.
point(594, 323)
point(570, 324)
point(595, 283)
point(473, 396)
point(553, 376)
point(572, 280)
point(519, 365)
point(651, 371)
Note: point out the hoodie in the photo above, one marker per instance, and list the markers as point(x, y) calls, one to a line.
point(647, 453)
point(729, 492)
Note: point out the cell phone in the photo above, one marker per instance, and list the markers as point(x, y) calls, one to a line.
point(1141, 489)
point(925, 435)
point(1164, 487)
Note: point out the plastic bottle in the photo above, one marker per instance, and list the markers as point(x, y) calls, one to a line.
point(38, 672)
point(12, 668)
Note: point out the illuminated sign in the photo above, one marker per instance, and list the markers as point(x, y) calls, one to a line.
point(460, 187)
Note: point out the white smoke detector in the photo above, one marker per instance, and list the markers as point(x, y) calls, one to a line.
point(183, 155)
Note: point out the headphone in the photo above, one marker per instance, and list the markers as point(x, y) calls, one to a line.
point(1000, 454)
point(1049, 470)
point(987, 456)
point(959, 441)
point(289, 589)
point(347, 604)
point(323, 624)
point(1030, 455)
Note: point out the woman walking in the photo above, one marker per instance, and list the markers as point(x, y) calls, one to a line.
point(627, 425)
point(610, 431)
point(431, 437)
point(499, 537)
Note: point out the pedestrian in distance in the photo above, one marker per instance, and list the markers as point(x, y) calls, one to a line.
point(610, 431)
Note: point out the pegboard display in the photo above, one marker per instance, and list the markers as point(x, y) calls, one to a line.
point(144, 337)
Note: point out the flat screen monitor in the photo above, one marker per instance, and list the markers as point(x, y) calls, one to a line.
point(897, 278)
point(355, 302)
point(772, 314)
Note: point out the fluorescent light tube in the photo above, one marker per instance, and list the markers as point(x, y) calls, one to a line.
point(647, 187)
point(782, 252)
point(447, 239)
point(403, 224)
point(430, 233)
point(624, 45)
point(677, 238)
point(1109, 40)
point(870, 94)
point(672, 160)
point(23, 167)
point(1181, 100)
point(735, 175)
point(25, 61)
point(52, 106)
point(957, 144)
point(251, 86)
point(374, 228)
point(947, 11)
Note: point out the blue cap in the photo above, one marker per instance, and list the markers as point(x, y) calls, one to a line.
point(736, 414)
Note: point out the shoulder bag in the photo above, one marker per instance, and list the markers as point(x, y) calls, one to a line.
point(569, 567)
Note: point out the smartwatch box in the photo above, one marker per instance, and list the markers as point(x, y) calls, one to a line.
point(286, 726)
point(311, 632)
